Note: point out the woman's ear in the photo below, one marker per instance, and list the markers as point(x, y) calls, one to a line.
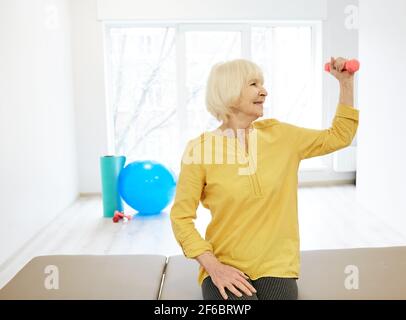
point(233, 109)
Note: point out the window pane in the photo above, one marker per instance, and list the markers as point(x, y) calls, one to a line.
point(203, 50)
point(285, 54)
point(144, 101)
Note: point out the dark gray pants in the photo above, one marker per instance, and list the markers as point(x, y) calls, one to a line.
point(268, 288)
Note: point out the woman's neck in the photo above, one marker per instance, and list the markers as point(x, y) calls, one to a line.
point(236, 128)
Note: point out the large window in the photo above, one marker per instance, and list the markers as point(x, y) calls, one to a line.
point(157, 77)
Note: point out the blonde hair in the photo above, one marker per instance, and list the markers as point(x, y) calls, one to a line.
point(225, 83)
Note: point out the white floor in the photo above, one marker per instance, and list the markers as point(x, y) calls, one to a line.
point(330, 217)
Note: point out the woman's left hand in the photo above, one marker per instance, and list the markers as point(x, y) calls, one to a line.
point(336, 69)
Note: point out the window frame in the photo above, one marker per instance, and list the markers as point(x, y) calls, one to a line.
point(181, 27)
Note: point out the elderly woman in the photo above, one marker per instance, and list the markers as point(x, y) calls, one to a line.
point(251, 248)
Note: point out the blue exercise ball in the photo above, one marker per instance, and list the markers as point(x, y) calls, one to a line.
point(147, 186)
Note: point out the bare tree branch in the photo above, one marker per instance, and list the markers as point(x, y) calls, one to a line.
point(119, 84)
point(145, 134)
point(141, 102)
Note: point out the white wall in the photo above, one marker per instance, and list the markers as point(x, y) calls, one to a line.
point(211, 9)
point(38, 174)
point(88, 55)
point(340, 39)
point(381, 172)
point(90, 105)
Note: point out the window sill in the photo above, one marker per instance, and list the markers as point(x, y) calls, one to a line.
point(323, 177)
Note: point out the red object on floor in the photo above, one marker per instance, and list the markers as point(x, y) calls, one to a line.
point(120, 215)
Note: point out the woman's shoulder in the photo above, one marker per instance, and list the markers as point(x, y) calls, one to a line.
point(266, 123)
point(196, 141)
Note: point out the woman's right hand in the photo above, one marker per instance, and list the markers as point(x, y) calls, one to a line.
point(225, 276)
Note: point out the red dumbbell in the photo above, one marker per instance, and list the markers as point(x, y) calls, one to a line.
point(117, 216)
point(120, 215)
point(351, 66)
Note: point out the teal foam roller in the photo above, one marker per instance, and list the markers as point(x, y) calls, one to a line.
point(110, 167)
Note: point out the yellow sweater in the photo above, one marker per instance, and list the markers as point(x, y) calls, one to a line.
point(254, 225)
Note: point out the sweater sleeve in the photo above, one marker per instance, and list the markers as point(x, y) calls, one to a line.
point(183, 212)
point(312, 143)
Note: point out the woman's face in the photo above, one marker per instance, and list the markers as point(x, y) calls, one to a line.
point(252, 99)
